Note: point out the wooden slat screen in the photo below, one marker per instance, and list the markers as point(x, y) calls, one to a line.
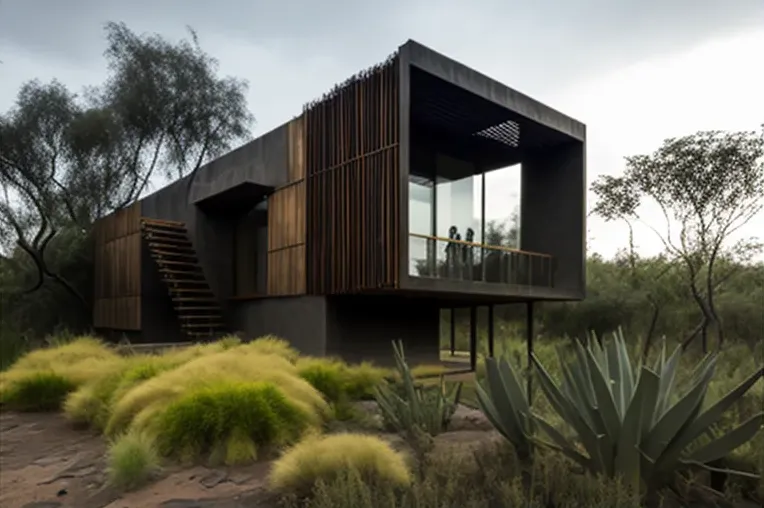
point(117, 265)
point(286, 223)
point(351, 156)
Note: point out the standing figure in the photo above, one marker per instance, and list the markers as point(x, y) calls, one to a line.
point(468, 254)
point(452, 251)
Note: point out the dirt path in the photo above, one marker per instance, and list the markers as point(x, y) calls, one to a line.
point(45, 463)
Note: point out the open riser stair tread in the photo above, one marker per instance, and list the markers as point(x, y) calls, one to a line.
point(198, 311)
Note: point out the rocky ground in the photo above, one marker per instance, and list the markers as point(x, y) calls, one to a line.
point(45, 463)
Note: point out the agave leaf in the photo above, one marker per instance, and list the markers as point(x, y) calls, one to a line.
point(667, 376)
point(562, 444)
point(615, 383)
point(604, 396)
point(506, 426)
point(625, 366)
point(707, 419)
point(725, 444)
point(627, 459)
point(505, 399)
point(665, 430)
point(567, 411)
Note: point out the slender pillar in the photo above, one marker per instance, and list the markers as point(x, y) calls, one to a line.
point(490, 330)
point(529, 343)
point(453, 331)
point(473, 338)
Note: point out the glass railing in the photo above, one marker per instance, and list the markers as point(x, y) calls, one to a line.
point(442, 258)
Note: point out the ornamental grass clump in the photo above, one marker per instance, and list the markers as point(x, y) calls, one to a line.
point(141, 405)
point(230, 423)
point(325, 458)
point(43, 378)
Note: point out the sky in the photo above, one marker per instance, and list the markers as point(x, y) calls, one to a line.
point(635, 72)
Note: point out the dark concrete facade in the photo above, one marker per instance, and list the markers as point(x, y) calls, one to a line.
point(361, 327)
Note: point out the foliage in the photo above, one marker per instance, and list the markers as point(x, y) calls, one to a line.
point(424, 407)
point(325, 458)
point(633, 421)
point(491, 476)
point(132, 460)
point(37, 391)
point(51, 370)
point(708, 185)
point(272, 345)
point(67, 160)
point(505, 403)
point(229, 422)
point(142, 404)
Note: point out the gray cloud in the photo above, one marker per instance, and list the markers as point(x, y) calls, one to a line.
point(567, 39)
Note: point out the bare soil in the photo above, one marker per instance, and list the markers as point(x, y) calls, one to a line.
point(46, 463)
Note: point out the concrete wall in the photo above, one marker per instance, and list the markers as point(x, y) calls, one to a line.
point(300, 319)
point(363, 328)
point(553, 214)
point(264, 161)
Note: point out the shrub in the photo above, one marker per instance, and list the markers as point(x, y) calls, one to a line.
point(272, 345)
point(37, 391)
point(92, 402)
point(132, 460)
point(78, 361)
point(145, 400)
point(362, 379)
point(325, 458)
point(229, 422)
point(325, 375)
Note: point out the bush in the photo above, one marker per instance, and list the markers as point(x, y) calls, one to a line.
point(37, 391)
point(325, 458)
point(229, 423)
point(339, 381)
point(272, 345)
point(132, 460)
point(92, 402)
point(145, 400)
point(77, 362)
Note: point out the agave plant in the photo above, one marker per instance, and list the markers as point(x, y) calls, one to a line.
point(504, 401)
point(632, 421)
point(428, 408)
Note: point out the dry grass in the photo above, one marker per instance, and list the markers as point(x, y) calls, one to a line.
point(326, 458)
point(132, 460)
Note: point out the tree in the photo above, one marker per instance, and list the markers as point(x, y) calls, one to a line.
point(67, 160)
point(707, 185)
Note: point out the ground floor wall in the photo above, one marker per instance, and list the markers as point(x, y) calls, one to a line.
point(354, 328)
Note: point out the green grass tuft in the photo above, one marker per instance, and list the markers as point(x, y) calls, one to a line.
point(325, 458)
point(132, 460)
point(229, 421)
point(37, 391)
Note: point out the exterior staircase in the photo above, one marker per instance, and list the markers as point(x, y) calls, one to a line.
point(197, 308)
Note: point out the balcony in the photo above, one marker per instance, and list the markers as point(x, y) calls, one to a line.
point(449, 259)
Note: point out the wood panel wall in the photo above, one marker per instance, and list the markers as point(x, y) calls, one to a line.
point(351, 156)
point(286, 222)
point(117, 260)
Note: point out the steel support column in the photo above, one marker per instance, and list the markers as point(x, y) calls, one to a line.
point(529, 344)
point(473, 338)
point(490, 330)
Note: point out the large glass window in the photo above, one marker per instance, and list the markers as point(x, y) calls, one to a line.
point(421, 213)
point(502, 206)
point(458, 199)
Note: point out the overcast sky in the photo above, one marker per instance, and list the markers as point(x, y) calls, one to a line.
point(635, 72)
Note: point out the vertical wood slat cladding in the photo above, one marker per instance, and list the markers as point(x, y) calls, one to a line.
point(286, 222)
point(117, 260)
point(351, 157)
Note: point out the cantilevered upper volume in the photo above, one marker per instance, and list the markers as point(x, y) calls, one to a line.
point(414, 185)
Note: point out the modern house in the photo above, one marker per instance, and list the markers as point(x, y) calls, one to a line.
point(358, 221)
